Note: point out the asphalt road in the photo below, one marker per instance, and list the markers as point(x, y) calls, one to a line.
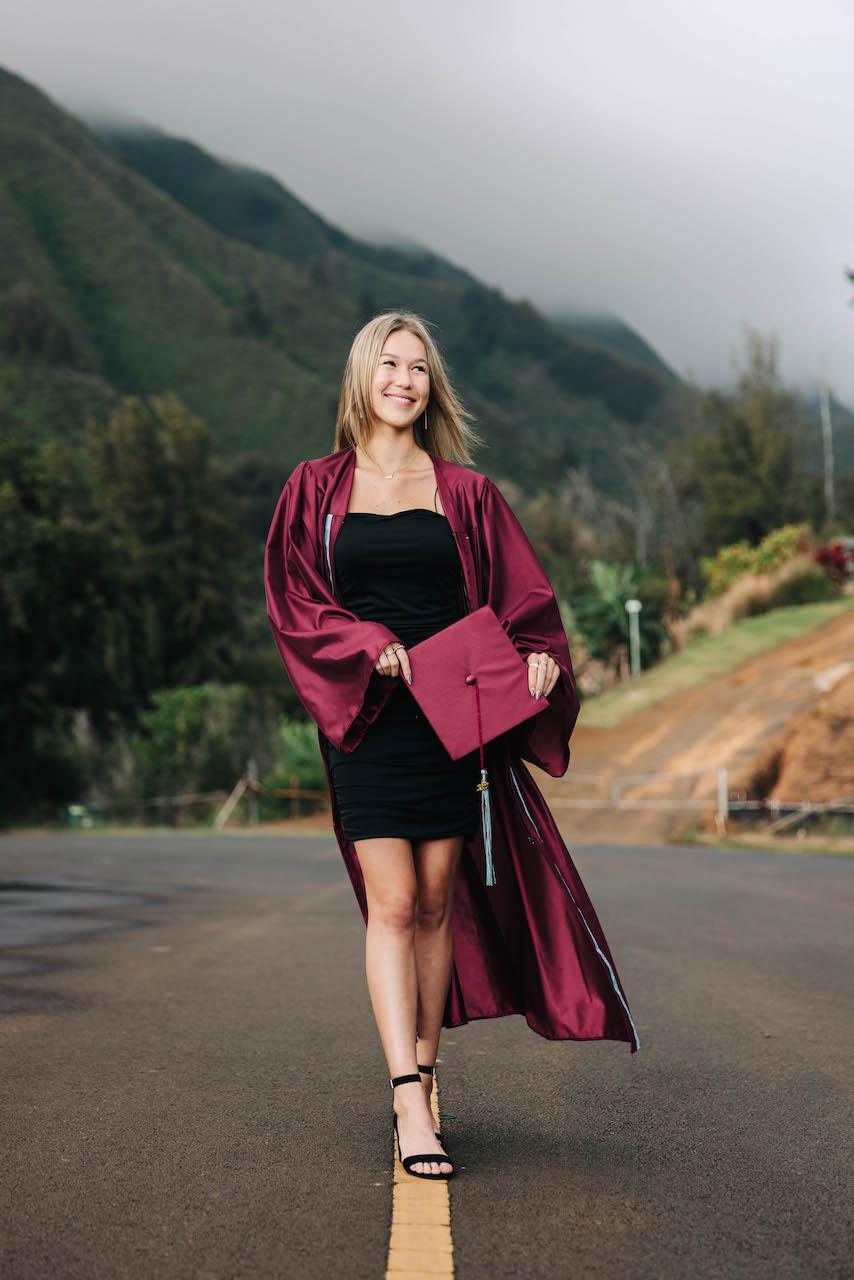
point(192, 1085)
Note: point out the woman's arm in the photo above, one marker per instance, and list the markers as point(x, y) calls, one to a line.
point(328, 652)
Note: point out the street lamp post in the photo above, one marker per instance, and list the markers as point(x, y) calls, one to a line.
point(633, 608)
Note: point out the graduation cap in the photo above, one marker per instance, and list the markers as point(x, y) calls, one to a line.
point(471, 682)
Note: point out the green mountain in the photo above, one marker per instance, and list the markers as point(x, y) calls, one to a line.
point(250, 205)
point(146, 266)
point(611, 332)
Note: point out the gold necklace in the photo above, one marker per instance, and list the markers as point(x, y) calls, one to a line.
point(376, 464)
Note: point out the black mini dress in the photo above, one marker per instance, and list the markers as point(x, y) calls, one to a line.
point(402, 570)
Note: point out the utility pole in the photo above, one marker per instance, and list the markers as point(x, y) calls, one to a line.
point(827, 445)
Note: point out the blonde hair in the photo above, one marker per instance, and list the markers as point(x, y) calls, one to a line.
point(447, 435)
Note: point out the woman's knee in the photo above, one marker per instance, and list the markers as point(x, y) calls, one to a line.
point(395, 912)
point(433, 907)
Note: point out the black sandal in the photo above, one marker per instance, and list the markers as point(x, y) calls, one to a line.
point(432, 1157)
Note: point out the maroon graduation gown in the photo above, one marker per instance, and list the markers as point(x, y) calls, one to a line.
point(531, 943)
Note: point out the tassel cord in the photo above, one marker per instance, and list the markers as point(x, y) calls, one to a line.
point(483, 788)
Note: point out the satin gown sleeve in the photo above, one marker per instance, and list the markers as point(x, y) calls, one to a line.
point(518, 589)
point(328, 652)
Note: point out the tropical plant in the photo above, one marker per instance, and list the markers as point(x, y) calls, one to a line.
point(600, 612)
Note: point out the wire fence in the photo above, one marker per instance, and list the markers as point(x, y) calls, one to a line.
point(702, 791)
point(214, 808)
point(698, 791)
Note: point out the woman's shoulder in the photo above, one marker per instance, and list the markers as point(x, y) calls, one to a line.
point(313, 468)
point(461, 472)
point(329, 463)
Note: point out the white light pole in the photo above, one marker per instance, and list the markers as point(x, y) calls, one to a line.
point(633, 608)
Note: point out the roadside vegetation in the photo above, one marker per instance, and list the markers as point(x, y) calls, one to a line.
point(172, 333)
point(138, 662)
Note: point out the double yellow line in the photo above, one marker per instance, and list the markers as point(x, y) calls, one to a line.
point(420, 1243)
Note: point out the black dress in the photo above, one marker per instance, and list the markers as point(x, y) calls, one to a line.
point(402, 570)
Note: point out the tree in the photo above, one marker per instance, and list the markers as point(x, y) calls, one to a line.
point(166, 509)
point(745, 460)
point(550, 525)
point(120, 574)
point(57, 578)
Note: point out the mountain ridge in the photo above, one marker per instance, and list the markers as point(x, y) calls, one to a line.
point(254, 338)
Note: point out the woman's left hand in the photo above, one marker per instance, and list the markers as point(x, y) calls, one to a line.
point(543, 672)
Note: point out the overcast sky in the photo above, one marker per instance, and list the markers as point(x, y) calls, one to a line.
point(688, 167)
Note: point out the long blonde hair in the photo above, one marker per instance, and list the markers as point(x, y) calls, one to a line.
point(448, 433)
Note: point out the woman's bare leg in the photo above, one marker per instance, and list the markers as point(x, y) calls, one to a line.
point(436, 864)
point(391, 888)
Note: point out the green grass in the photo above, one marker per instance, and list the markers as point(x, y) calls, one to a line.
point(767, 844)
point(709, 656)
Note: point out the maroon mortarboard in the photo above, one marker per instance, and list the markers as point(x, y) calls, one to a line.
point(471, 682)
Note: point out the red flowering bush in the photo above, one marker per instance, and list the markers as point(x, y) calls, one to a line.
point(836, 559)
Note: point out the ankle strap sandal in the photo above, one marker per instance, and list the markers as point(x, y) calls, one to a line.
point(428, 1071)
point(431, 1157)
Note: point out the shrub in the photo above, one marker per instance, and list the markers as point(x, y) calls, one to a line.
point(781, 545)
point(195, 738)
point(803, 584)
point(726, 567)
point(795, 582)
point(299, 759)
point(836, 561)
point(298, 756)
point(731, 563)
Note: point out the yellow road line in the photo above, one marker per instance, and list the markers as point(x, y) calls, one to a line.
point(420, 1243)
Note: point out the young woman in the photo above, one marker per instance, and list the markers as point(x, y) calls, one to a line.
point(372, 548)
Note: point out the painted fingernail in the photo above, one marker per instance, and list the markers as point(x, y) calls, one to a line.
point(539, 691)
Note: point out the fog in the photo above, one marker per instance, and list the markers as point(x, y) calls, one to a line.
point(686, 168)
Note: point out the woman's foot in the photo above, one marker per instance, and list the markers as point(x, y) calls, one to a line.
point(415, 1128)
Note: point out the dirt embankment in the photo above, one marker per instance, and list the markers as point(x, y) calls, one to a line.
point(816, 760)
point(781, 724)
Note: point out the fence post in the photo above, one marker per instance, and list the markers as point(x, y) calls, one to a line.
point(225, 812)
point(252, 797)
point(723, 802)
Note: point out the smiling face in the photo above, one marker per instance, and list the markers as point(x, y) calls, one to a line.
point(401, 384)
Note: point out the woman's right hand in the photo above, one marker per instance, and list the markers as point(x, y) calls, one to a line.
point(393, 660)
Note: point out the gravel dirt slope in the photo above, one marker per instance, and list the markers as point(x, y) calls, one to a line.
point(796, 698)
